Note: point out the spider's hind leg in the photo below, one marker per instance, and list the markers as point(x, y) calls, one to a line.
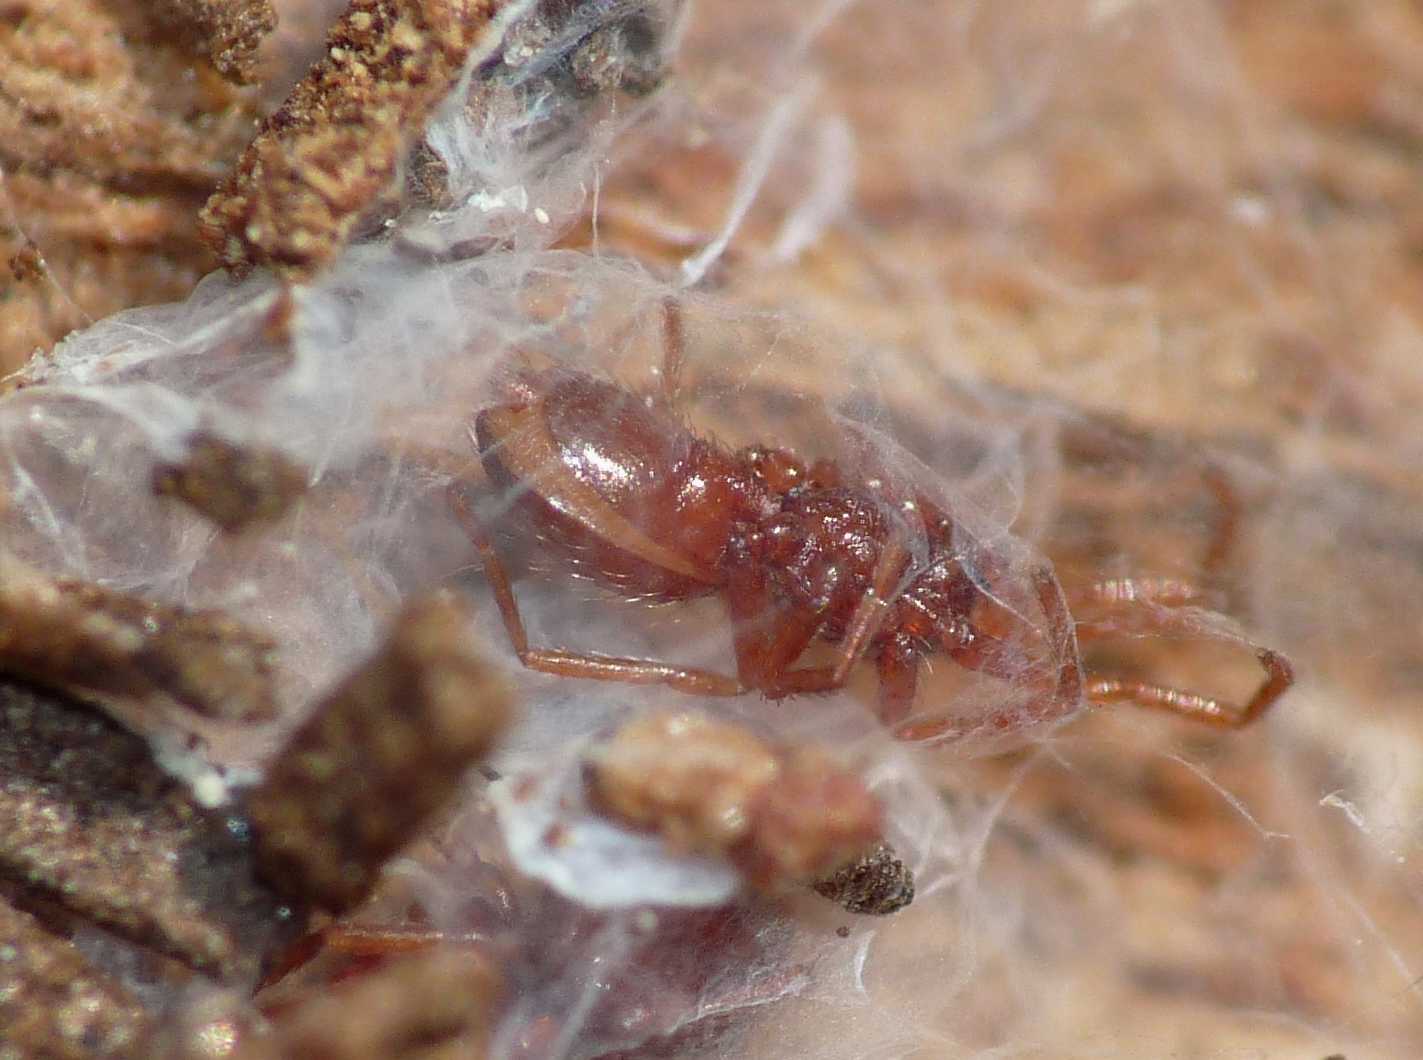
point(563, 663)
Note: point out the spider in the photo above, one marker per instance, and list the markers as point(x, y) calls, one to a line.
point(616, 488)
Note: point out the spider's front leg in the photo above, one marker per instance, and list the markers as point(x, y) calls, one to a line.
point(769, 635)
point(1125, 607)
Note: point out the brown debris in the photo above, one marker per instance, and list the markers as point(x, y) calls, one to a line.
point(781, 815)
point(551, 65)
point(133, 655)
point(78, 72)
point(233, 485)
point(225, 32)
point(621, 56)
point(382, 754)
point(94, 828)
point(689, 777)
point(334, 146)
point(110, 139)
point(876, 884)
point(53, 1004)
point(433, 1006)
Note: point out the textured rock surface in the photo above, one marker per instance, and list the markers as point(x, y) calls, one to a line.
point(93, 827)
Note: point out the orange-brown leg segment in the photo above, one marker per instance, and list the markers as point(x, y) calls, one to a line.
point(1148, 607)
point(349, 940)
point(898, 668)
point(873, 607)
point(1226, 531)
point(1279, 676)
point(587, 665)
point(769, 638)
point(674, 347)
point(1161, 592)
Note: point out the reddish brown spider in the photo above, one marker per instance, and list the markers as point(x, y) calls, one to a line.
point(617, 489)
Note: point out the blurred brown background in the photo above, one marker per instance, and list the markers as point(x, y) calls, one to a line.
point(1138, 233)
point(1133, 231)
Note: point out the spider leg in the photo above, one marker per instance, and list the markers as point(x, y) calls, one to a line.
point(674, 350)
point(588, 665)
point(873, 607)
point(1150, 616)
point(351, 940)
point(768, 638)
point(1226, 532)
point(1116, 592)
point(898, 668)
point(1279, 676)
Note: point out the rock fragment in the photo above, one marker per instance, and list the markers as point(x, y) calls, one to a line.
point(234, 485)
point(137, 657)
point(781, 815)
point(93, 827)
point(330, 151)
point(225, 32)
point(382, 754)
point(53, 1004)
point(877, 883)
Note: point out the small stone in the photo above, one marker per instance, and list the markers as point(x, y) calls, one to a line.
point(231, 484)
point(782, 815)
point(382, 754)
point(53, 1004)
point(877, 884)
point(93, 826)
